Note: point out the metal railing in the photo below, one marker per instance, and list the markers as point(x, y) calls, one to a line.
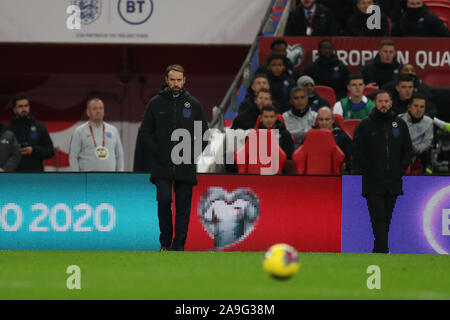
point(245, 73)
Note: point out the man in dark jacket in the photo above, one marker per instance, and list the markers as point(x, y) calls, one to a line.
point(280, 81)
point(260, 80)
point(328, 70)
point(171, 114)
point(357, 23)
point(419, 87)
point(269, 120)
point(382, 151)
point(418, 21)
point(9, 150)
point(310, 19)
point(247, 119)
point(33, 138)
point(402, 94)
point(384, 67)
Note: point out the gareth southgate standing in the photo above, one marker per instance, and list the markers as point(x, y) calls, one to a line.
point(173, 108)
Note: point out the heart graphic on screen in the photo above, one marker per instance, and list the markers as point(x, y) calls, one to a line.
point(228, 218)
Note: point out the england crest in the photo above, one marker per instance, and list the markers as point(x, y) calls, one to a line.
point(90, 10)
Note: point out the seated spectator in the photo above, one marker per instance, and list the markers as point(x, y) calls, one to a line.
point(357, 23)
point(260, 80)
point(384, 67)
point(279, 47)
point(247, 119)
point(420, 129)
point(418, 21)
point(402, 94)
point(325, 120)
point(328, 70)
point(269, 120)
point(341, 9)
point(419, 87)
point(279, 80)
point(357, 105)
point(393, 10)
point(33, 138)
point(300, 118)
point(9, 150)
point(310, 19)
point(315, 101)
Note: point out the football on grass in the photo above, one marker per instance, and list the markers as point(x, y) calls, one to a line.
point(281, 261)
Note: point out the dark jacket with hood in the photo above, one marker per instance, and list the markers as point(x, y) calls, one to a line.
point(31, 133)
point(420, 22)
point(323, 23)
point(163, 115)
point(381, 73)
point(9, 150)
point(330, 72)
point(280, 88)
point(382, 152)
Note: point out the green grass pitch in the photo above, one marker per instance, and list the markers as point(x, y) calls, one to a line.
point(218, 276)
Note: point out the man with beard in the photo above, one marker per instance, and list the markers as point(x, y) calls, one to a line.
point(418, 21)
point(300, 118)
point(357, 23)
point(173, 109)
point(384, 67)
point(328, 70)
point(32, 136)
point(382, 151)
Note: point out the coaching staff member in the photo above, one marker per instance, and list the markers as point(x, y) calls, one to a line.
point(382, 151)
point(170, 109)
point(33, 138)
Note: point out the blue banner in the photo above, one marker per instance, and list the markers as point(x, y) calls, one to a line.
point(90, 211)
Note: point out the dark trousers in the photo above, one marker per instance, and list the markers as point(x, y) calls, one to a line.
point(183, 197)
point(380, 209)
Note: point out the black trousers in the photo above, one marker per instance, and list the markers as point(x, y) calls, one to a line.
point(380, 210)
point(183, 197)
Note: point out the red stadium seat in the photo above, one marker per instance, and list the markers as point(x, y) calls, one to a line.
point(350, 125)
point(440, 9)
point(437, 79)
point(279, 116)
point(252, 163)
point(369, 89)
point(327, 93)
point(337, 119)
point(319, 154)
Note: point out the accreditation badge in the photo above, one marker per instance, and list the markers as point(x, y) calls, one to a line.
point(101, 153)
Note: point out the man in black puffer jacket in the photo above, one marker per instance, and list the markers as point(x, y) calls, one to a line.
point(384, 68)
point(173, 109)
point(33, 138)
point(418, 21)
point(328, 70)
point(382, 151)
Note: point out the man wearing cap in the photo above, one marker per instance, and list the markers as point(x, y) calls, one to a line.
point(315, 101)
point(96, 145)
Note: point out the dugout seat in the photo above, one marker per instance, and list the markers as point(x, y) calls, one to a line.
point(247, 158)
point(327, 93)
point(350, 125)
point(319, 154)
point(441, 9)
